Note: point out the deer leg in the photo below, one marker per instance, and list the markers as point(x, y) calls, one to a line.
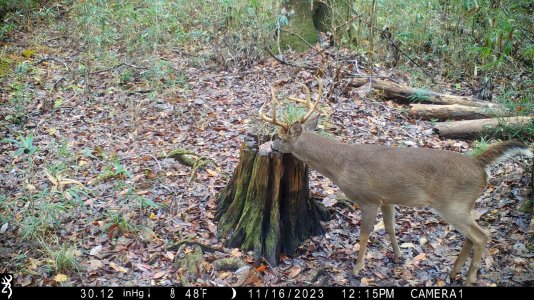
point(480, 238)
point(460, 260)
point(368, 222)
point(388, 213)
point(464, 223)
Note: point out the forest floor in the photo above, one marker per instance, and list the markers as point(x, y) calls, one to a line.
point(100, 162)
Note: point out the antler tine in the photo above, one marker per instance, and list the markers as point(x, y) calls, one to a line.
point(312, 107)
point(308, 95)
point(272, 120)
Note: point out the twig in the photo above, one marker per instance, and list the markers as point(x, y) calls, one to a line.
point(118, 66)
point(139, 92)
point(206, 248)
point(58, 81)
point(384, 34)
point(336, 79)
point(285, 62)
point(157, 161)
point(49, 58)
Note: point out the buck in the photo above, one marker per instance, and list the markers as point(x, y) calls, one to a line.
point(377, 176)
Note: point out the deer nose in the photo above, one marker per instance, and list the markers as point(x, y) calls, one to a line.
point(274, 145)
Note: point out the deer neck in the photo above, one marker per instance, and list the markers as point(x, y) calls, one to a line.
point(320, 153)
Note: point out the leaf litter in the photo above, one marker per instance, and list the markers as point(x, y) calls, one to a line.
point(116, 136)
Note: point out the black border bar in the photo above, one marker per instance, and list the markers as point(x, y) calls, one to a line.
point(258, 293)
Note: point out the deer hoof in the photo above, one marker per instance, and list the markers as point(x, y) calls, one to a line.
point(469, 281)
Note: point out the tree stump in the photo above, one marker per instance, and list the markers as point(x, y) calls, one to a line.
point(266, 206)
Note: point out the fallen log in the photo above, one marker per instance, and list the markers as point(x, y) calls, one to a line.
point(470, 128)
point(452, 112)
point(406, 95)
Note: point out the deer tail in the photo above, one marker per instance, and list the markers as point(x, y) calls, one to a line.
point(502, 151)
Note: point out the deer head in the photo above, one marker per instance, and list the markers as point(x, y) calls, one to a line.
point(288, 136)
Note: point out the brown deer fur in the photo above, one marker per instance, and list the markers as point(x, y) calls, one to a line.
point(380, 177)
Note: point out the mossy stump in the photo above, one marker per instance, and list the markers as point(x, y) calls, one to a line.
point(266, 205)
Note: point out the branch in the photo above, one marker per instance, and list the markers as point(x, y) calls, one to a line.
point(118, 66)
point(206, 248)
point(49, 58)
point(285, 62)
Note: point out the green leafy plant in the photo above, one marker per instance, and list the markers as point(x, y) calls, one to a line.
point(114, 170)
point(64, 259)
point(479, 146)
point(118, 221)
point(419, 95)
point(25, 146)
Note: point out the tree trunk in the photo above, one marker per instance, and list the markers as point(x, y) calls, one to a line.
point(405, 94)
point(266, 206)
point(451, 112)
point(300, 27)
point(470, 128)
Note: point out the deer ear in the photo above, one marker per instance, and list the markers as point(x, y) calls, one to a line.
point(295, 129)
point(311, 123)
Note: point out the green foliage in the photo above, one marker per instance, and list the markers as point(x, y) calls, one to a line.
point(142, 27)
point(18, 100)
point(479, 146)
point(292, 114)
point(64, 259)
point(17, 13)
point(6, 206)
point(5, 28)
point(118, 221)
point(518, 102)
point(459, 37)
point(113, 170)
point(515, 132)
point(419, 96)
point(35, 226)
point(15, 5)
point(24, 145)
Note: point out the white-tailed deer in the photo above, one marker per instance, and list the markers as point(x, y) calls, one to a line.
point(377, 176)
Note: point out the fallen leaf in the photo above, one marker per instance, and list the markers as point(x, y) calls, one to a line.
point(366, 281)
point(60, 278)
point(261, 268)
point(159, 274)
point(406, 274)
point(95, 264)
point(421, 256)
point(95, 250)
point(4, 227)
point(248, 278)
point(169, 255)
point(212, 173)
point(407, 245)
point(118, 268)
point(294, 271)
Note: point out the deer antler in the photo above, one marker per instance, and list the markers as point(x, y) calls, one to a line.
point(272, 120)
point(308, 101)
point(311, 105)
